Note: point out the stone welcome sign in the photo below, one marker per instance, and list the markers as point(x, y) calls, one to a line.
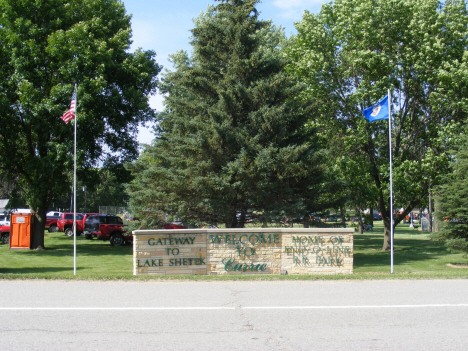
point(243, 251)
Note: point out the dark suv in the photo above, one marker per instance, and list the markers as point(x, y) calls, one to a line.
point(106, 227)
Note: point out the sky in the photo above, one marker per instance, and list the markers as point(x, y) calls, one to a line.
point(164, 27)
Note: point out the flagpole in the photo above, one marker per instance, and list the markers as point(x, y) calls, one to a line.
point(74, 185)
point(391, 178)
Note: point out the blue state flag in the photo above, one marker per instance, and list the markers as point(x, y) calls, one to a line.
point(377, 112)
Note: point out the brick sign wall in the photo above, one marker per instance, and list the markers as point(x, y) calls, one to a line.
point(243, 251)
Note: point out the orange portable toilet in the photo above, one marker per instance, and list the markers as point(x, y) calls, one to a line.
point(21, 229)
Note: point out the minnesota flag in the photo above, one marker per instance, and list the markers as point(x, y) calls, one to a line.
point(377, 112)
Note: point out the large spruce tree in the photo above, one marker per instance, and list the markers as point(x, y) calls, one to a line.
point(232, 137)
point(453, 198)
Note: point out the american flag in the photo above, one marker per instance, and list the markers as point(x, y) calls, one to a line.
point(70, 114)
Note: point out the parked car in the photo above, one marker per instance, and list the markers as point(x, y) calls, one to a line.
point(333, 218)
point(356, 219)
point(377, 217)
point(106, 227)
point(51, 221)
point(175, 225)
point(5, 234)
point(65, 224)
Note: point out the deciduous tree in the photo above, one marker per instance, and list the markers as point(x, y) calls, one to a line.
point(47, 47)
point(351, 53)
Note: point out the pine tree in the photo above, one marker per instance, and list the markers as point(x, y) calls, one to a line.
point(232, 137)
point(453, 197)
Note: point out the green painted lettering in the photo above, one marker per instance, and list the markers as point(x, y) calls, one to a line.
point(227, 264)
point(336, 240)
point(255, 238)
point(215, 239)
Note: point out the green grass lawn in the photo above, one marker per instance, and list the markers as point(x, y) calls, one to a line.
point(415, 256)
point(95, 259)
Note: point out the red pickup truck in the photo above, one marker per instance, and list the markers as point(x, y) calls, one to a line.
point(51, 221)
point(65, 224)
point(5, 234)
point(106, 227)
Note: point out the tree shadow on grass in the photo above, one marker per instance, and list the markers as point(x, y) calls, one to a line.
point(36, 270)
point(58, 256)
point(63, 247)
point(368, 250)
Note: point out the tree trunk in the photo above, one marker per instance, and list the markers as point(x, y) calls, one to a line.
point(358, 213)
point(38, 231)
point(290, 222)
point(387, 234)
point(435, 228)
point(234, 222)
point(241, 221)
point(264, 221)
point(306, 221)
point(430, 212)
point(231, 220)
point(343, 216)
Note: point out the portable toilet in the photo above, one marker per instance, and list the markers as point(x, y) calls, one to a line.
point(21, 230)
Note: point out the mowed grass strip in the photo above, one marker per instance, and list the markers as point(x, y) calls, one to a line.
point(416, 256)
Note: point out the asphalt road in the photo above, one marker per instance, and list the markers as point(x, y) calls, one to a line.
point(278, 315)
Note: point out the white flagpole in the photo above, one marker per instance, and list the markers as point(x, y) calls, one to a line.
point(74, 185)
point(391, 178)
